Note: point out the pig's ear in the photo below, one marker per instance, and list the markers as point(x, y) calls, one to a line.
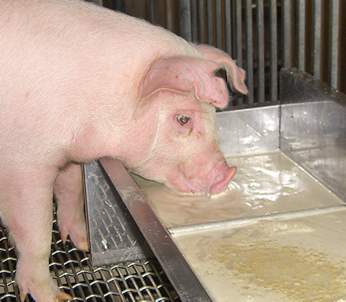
point(235, 74)
point(184, 74)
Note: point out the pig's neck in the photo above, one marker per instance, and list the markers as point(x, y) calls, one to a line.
point(123, 136)
point(135, 139)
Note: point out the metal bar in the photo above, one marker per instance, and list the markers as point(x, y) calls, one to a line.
point(170, 15)
point(316, 38)
point(210, 27)
point(193, 11)
point(228, 29)
point(273, 52)
point(301, 26)
point(249, 50)
point(119, 5)
point(287, 33)
point(167, 253)
point(238, 39)
point(98, 2)
point(152, 11)
point(218, 23)
point(334, 18)
point(239, 33)
point(260, 52)
point(185, 19)
point(201, 21)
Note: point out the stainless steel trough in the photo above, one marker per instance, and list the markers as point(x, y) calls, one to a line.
point(277, 234)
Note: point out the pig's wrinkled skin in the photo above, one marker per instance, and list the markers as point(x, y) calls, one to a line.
point(77, 83)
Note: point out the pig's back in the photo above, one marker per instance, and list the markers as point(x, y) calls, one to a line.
point(59, 45)
point(63, 61)
point(68, 39)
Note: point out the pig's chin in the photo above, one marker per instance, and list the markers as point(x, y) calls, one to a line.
point(210, 186)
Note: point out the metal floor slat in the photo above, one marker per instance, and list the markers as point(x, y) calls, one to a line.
point(142, 280)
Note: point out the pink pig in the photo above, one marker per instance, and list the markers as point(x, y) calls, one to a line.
point(79, 82)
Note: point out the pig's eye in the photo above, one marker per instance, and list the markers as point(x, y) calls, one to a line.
point(182, 119)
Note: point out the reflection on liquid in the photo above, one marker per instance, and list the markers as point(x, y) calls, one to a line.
point(264, 184)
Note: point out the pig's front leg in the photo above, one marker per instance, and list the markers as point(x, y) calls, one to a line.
point(68, 191)
point(26, 208)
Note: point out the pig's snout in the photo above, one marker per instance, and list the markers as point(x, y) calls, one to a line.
point(221, 185)
point(203, 179)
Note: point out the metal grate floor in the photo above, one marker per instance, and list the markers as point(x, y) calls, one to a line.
point(142, 281)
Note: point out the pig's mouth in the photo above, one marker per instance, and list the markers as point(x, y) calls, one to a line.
point(222, 185)
point(215, 182)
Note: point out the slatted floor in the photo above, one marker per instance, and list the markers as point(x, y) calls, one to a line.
point(133, 281)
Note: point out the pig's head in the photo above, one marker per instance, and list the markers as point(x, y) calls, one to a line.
point(178, 96)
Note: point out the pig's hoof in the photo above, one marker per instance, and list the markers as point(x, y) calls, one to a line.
point(62, 296)
point(78, 234)
point(38, 283)
point(80, 242)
